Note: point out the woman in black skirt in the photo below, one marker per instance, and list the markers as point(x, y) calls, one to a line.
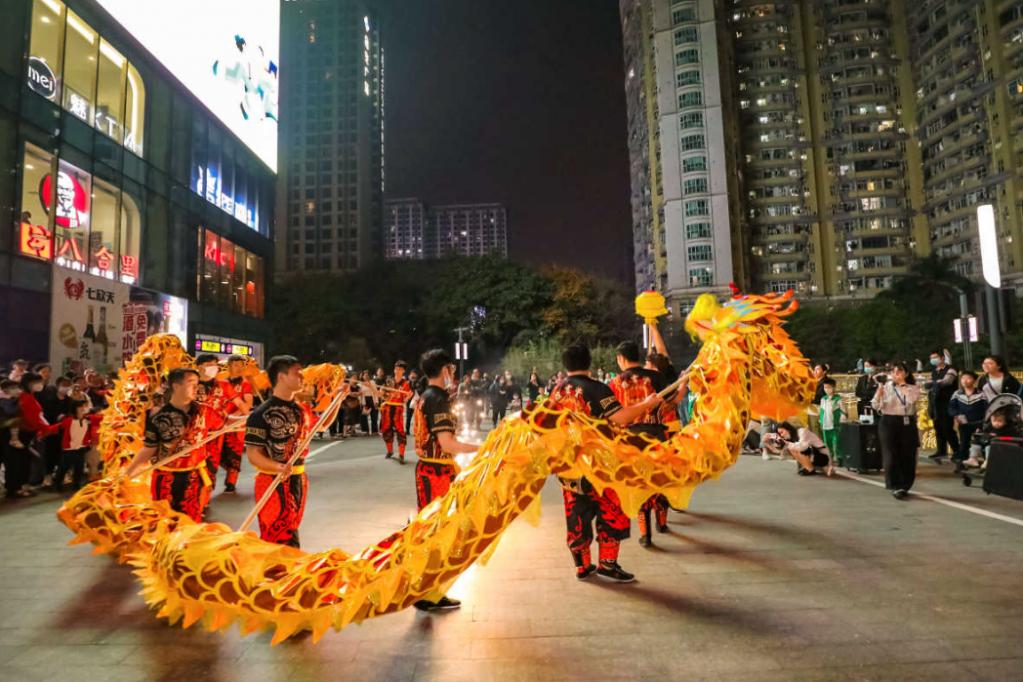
point(895, 400)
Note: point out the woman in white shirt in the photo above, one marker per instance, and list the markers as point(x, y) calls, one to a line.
point(806, 447)
point(895, 400)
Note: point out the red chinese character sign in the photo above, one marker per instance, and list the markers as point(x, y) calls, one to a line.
point(36, 241)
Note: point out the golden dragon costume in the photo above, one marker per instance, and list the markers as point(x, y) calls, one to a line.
point(205, 572)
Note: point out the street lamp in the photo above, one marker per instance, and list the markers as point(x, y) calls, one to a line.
point(992, 271)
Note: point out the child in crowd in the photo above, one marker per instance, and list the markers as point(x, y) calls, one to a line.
point(1003, 423)
point(77, 436)
point(830, 415)
point(966, 407)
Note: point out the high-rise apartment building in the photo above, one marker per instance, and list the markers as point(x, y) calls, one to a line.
point(414, 231)
point(683, 145)
point(330, 195)
point(866, 133)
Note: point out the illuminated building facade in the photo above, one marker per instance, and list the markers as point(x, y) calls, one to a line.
point(132, 206)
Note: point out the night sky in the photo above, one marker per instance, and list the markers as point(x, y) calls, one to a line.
point(519, 102)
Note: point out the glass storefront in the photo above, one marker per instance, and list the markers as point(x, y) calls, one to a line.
point(93, 226)
point(71, 63)
point(229, 276)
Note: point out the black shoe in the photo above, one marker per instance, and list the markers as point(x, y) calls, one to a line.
point(389, 455)
point(612, 571)
point(900, 494)
point(424, 605)
point(229, 488)
point(663, 529)
point(936, 458)
point(807, 472)
point(401, 460)
point(586, 572)
point(645, 541)
point(446, 603)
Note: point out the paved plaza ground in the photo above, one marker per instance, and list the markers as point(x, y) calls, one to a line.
point(769, 576)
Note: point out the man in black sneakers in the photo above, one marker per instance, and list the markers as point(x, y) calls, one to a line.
point(433, 429)
point(583, 505)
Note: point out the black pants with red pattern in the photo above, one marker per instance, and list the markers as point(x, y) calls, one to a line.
point(392, 427)
point(432, 481)
point(231, 459)
point(184, 490)
point(657, 506)
point(216, 450)
point(584, 507)
point(281, 516)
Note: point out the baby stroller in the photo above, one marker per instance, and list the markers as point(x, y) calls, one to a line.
point(1010, 407)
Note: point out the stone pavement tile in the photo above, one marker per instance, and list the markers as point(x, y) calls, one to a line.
point(57, 656)
point(997, 670)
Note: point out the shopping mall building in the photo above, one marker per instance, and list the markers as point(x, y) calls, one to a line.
point(138, 181)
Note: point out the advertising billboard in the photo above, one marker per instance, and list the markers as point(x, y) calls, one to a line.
point(99, 324)
point(225, 51)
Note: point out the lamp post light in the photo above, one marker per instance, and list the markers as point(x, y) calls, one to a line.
point(992, 271)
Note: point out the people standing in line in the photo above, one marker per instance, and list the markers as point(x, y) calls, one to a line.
point(896, 401)
point(866, 386)
point(943, 383)
point(966, 408)
point(831, 413)
point(12, 451)
point(997, 378)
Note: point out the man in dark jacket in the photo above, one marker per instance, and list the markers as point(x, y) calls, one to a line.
point(943, 383)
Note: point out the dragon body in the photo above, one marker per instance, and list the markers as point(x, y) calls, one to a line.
point(206, 572)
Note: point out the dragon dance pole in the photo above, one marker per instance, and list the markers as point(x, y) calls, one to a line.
point(330, 412)
point(191, 448)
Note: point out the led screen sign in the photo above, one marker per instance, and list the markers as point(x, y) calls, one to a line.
point(224, 51)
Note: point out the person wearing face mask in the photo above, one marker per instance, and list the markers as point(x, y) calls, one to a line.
point(940, 388)
point(896, 401)
point(240, 398)
point(33, 423)
point(866, 386)
point(55, 403)
point(966, 408)
point(214, 394)
point(434, 429)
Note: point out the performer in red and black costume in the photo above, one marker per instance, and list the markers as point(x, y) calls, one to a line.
point(633, 385)
point(435, 442)
point(583, 505)
point(272, 432)
point(179, 425)
point(392, 412)
point(239, 404)
point(213, 394)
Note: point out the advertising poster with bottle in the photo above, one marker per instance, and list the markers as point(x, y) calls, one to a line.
point(100, 323)
point(86, 326)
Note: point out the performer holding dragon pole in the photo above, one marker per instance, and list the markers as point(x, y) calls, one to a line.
point(272, 432)
point(583, 504)
point(239, 404)
point(214, 394)
point(178, 426)
point(434, 428)
point(392, 412)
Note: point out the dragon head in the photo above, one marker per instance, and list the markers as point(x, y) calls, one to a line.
point(751, 325)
